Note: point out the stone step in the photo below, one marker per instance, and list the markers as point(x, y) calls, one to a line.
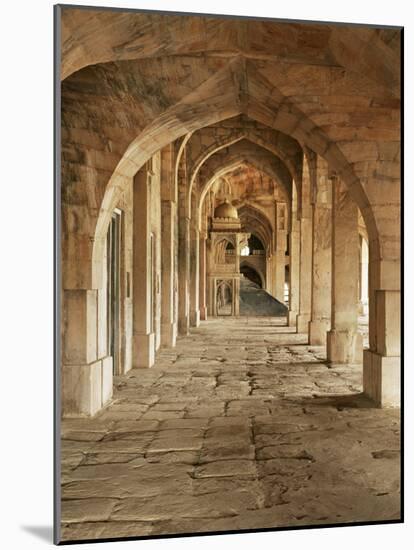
point(258, 302)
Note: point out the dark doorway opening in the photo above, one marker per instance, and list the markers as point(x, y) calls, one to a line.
point(113, 289)
point(251, 274)
point(224, 299)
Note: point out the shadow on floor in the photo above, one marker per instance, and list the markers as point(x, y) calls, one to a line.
point(352, 401)
point(43, 532)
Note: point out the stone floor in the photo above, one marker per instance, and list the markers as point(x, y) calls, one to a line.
point(241, 426)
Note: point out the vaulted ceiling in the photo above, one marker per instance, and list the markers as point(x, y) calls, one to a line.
point(135, 82)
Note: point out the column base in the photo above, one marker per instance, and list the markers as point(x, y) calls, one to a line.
point(317, 331)
point(344, 346)
point(203, 313)
point(195, 318)
point(292, 318)
point(144, 347)
point(382, 379)
point(169, 334)
point(86, 388)
point(184, 327)
point(302, 322)
point(107, 379)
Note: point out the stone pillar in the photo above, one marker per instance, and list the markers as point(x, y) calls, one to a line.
point(280, 263)
point(168, 246)
point(87, 369)
point(344, 343)
point(203, 277)
point(183, 275)
point(194, 276)
point(270, 274)
point(210, 286)
point(280, 250)
point(363, 277)
point(320, 322)
point(305, 267)
point(382, 361)
point(294, 258)
point(305, 270)
point(143, 337)
point(168, 323)
point(86, 378)
point(236, 297)
point(381, 379)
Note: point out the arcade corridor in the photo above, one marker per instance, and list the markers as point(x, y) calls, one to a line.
point(216, 172)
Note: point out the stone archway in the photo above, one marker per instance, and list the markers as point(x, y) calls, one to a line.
point(208, 109)
point(204, 133)
point(252, 273)
point(252, 92)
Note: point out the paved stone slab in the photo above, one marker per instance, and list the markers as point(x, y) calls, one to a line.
point(244, 426)
point(86, 510)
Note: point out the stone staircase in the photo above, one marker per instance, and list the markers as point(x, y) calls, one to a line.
point(255, 301)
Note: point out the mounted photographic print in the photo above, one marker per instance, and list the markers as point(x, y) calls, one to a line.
point(227, 274)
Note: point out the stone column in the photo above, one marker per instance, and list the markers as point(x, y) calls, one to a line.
point(203, 277)
point(269, 269)
point(168, 246)
point(363, 277)
point(270, 284)
point(194, 276)
point(168, 323)
point(183, 275)
point(305, 270)
point(86, 378)
point(305, 267)
point(279, 263)
point(236, 297)
point(382, 361)
point(320, 322)
point(210, 284)
point(280, 250)
point(87, 370)
point(143, 337)
point(381, 379)
point(294, 258)
point(344, 343)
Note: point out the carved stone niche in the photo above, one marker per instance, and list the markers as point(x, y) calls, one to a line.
point(224, 272)
point(224, 297)
point(225, 242)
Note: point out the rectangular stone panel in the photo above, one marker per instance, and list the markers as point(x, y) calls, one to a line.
point(82, 389)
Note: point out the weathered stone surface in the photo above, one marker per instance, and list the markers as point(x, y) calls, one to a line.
point(86, 510)
point(200, 506)
point(180, 443)
point(226, 468)
point(319, 454)
point(105, 530)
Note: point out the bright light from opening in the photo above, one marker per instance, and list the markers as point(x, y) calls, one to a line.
point(245, 251)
